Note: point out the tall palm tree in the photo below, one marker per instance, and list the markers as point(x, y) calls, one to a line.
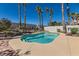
point(42, 22)
point(19, 14)
point(63, 21)
point(50, 11)
point(51, 14)
point(47, 12)
point(68, 13)
point(24, 4)
point(39, 11)
point(72, 20)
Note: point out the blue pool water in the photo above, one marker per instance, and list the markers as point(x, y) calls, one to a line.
point(44, 37)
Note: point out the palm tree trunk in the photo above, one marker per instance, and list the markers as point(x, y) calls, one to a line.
point(63, 21)
point(24, 16)
point(77, 19)
point(51, 13)
point(42, 21)
point(72, 20)
point(68, 13)
point(19, 13)
point(68, 20)
point(50, 18)
point(47, 12)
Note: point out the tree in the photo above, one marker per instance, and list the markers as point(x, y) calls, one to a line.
point(19, 14)
point(68, 13)
point(77, 19)
point(75, 16)
point(50, 12)
point(24, 28)
point(72, 16)
point(4, 24)
point(63, 21)
point(39, 11)
point(47, 10)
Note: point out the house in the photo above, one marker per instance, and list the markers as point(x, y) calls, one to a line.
point(55, 28)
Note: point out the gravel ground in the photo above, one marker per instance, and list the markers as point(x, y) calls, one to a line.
point(6, 49)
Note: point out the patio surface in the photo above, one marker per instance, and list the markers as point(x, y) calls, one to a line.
point(61, 46)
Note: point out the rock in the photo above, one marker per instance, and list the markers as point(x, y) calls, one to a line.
point(27, 52)
point(8, 53)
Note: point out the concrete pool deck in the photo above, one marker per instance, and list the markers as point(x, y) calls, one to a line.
point(61, 46)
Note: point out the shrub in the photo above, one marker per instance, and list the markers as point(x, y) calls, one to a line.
point(4, 24)
point(58, 30)
point(35, 29)
point(74, 30)
point(54, 23)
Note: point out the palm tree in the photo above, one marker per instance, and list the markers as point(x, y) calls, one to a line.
point(47, 12)
point(51, 14)
point(19, 13)
point(63, 21)
point(39, 11)
point(68, 13)
point(72, 20)
point(24, 15)
point(50, 11)
point(42, 22)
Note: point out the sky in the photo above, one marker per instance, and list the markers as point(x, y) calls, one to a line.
point(10, 11)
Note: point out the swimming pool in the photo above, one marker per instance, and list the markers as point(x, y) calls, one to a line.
point(43, 37)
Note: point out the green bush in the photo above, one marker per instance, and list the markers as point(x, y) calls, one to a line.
point(54, 23)
point(58, 30)
point(74, 30)
point(4, 24)
point(35, 29)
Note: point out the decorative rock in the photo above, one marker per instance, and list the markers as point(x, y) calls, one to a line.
point(8, 53)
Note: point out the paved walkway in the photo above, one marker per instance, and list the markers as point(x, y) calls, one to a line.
point(62, 46)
